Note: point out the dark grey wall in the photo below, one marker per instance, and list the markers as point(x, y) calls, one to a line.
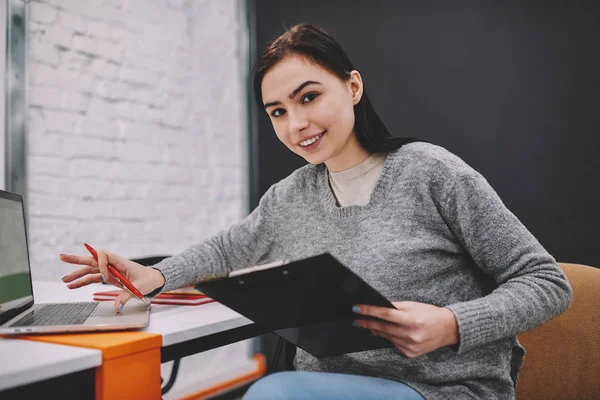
point(511, 87)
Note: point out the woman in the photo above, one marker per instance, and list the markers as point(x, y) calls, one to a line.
point(413, 220)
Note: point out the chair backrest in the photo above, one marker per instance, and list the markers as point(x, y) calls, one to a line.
point(150, 260)
point(563, 355)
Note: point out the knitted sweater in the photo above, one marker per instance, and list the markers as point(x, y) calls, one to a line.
point(434, 231)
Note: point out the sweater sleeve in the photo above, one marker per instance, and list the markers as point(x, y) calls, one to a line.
point(240, 246)
point(530, 286)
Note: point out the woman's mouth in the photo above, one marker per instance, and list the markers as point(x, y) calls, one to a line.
point(312, 143)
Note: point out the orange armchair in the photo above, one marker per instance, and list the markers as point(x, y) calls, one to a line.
point(563, 355)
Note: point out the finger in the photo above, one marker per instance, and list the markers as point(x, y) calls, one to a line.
point(406, 351)
point(398, 341)
point(393, 332)
point(385, 327)
point(388, 314)
point(384, 335)
point(404, 305)
point(409, 350)
point(116, 261)
point(79, 273)
point(378, 325)
point(88, 279)
point(103, 267)
point(81, 260)
point(121, 299)
point(401, 345)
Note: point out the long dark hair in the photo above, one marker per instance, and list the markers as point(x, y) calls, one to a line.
point(313, 43)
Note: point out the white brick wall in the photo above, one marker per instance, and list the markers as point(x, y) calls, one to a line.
point(136, 136)
point(137, 126)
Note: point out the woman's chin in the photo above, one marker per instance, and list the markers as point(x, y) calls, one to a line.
point(314, 159)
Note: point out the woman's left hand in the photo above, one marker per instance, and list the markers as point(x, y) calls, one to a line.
point(414, 328)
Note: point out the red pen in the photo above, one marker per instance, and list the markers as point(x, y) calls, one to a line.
point(120, 277)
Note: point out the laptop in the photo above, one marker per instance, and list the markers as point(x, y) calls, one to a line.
point(20, 314)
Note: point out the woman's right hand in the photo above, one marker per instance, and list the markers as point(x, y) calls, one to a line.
point(143, 278)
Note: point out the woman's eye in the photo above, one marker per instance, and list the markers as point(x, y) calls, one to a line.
point(277, 112)
point(309, 97)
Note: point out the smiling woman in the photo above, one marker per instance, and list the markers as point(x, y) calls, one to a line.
point(412, 219)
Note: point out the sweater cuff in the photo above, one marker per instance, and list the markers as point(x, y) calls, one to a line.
point(477, 324)
point(172, 274)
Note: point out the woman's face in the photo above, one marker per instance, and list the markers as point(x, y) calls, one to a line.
point(312, 112)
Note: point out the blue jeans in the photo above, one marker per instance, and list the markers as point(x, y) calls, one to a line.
point(297, 385)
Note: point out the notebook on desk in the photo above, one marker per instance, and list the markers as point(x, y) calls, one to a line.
point(172, 298)
point(20, 314)
point(307, 302)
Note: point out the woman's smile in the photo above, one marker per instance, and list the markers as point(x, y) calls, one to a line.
point(312, 143)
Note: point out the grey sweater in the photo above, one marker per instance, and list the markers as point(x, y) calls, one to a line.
point(435, 232)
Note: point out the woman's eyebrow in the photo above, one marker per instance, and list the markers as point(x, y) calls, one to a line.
point(294, 93)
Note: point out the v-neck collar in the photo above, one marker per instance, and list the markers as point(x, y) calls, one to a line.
point(330, 203)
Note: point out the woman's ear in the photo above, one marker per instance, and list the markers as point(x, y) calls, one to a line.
point(356, 86)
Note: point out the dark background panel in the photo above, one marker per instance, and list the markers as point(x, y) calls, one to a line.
point(511, 87)
point(79, 385)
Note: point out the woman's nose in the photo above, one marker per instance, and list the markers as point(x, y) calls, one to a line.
point(297, 122)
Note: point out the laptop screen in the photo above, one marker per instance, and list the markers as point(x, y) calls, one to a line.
point(15, 275)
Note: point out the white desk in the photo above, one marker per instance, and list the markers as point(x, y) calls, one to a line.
point(25, 362)
point(176, 324)
point(184, 330)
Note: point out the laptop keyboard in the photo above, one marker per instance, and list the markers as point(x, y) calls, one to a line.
point(58, 314)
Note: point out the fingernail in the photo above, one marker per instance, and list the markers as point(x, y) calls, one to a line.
point(103, 278)
point(120, 308)
point(61, 254)
point(356, 309)
point(64, 277)
point(356, 324)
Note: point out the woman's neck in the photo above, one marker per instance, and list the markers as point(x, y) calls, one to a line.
point(350, 156)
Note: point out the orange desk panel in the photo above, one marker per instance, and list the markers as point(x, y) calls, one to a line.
point(130, 362)
point(261, 370)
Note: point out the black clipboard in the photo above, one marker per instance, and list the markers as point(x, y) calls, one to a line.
point(307, 302)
